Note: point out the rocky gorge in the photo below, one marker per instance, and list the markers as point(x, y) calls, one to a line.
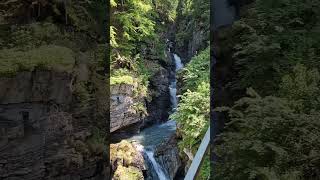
point(149, 135)
point(153, 134)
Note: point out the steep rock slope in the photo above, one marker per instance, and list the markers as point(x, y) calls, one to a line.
point(44, 134)
point(53, 94)
point(124, 107)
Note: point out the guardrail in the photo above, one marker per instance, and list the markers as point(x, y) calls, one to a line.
point(199, 157)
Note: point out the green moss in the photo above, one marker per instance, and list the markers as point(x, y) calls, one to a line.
point(124, 76)
point(123, 151)
point(126, 79)
point(45, 57)
point(34, 35)
point(140, 107)
point(125, 154)
point(126, 173)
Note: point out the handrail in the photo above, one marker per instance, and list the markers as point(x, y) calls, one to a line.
point(199, 157)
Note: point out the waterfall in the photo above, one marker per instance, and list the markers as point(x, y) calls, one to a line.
point(173, 94)
point(155, 165)
point(150, 137)
point(177, 61)
point(174, 103)
point(149, 153)
point(173, 84)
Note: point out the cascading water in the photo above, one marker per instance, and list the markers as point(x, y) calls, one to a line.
point(177, 61)
point(173, 84)
point(156, 166)
point(150, 137)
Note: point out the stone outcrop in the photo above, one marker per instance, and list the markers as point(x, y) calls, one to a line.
point(159, 106)
point(167, 155)
point(123, 106)
point(124, 100)
point(192, 46)
point(43, 134)
point(127, 161)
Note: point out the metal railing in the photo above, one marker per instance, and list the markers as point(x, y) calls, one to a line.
point(199, 157)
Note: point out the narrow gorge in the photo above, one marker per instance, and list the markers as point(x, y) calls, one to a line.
point(156, 142)
point(150, 136)
point(55, 87)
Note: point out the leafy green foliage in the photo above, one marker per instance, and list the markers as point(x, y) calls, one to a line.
point(197, 71)
point(193, 120)
point(274, 49)
point(34, 35)
point(301, 87)
point(266, 139)
point(113, 34)
point(271, 38)
point(132, 23)
point(166, 9)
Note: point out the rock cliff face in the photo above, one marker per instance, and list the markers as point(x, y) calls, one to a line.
point(130, 111)
point(195, 43)
point(43, 134)
point(123, 106)
point(159, 106)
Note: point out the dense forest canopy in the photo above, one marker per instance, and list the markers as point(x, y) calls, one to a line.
point(272, 132)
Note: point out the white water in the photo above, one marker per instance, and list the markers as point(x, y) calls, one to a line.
point(173, 94)
point(173, 84)
point(178, 62)
point(156, 166)
point(154, 135)
point(150, 155)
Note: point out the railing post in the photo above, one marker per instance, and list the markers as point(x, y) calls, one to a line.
point(198, 159)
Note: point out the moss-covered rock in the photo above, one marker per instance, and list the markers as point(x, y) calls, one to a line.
point(45, 57)
point(127, 162)
point(125, 153)
point(126, 173)
point(126, 79)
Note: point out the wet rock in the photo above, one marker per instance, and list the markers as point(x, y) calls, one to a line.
point(167, 155)
point(159, 106)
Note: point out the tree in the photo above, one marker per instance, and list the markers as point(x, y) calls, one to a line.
point(267, 139)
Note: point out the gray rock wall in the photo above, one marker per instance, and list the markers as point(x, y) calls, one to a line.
point(167, 155)
point(159, 106)
point(122, 106)
point(39, 136)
